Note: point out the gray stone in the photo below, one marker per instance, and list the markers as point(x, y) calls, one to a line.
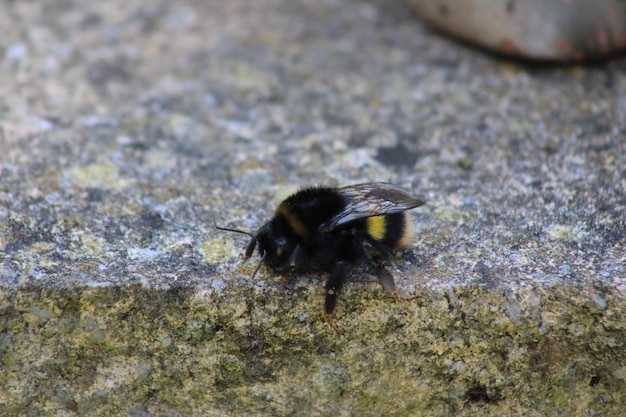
point(128, 130)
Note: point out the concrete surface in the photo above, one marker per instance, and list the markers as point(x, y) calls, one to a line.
point(129, 129)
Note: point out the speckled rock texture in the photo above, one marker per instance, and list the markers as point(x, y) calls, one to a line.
point(129, 129)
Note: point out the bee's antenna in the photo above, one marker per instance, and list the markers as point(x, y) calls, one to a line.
point(226, 229)
point(258, 266)
point(250, 249)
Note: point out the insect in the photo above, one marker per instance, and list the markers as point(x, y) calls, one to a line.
point(333, 228)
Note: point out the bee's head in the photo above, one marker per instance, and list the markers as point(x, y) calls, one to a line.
point(275, 244)
point(273, 239)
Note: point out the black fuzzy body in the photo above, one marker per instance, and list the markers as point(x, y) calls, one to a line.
point(330, 229)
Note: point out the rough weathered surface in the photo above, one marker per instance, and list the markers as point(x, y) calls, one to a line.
point(129, 130)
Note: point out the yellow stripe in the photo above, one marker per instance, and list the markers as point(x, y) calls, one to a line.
point(296, 224)
point(376, 227)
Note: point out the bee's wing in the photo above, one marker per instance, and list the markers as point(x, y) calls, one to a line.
point(371, 199)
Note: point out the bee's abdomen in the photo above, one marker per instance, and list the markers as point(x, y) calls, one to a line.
point(393, 230)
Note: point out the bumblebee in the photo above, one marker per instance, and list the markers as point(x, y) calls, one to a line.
point(331, 229)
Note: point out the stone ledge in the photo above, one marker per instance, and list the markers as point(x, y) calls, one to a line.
point(116, 350)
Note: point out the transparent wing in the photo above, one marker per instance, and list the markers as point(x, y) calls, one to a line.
point(371, 199)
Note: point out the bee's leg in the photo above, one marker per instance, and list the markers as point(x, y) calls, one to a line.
point(337, 277)
point(297, 258)
point(386, 280)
